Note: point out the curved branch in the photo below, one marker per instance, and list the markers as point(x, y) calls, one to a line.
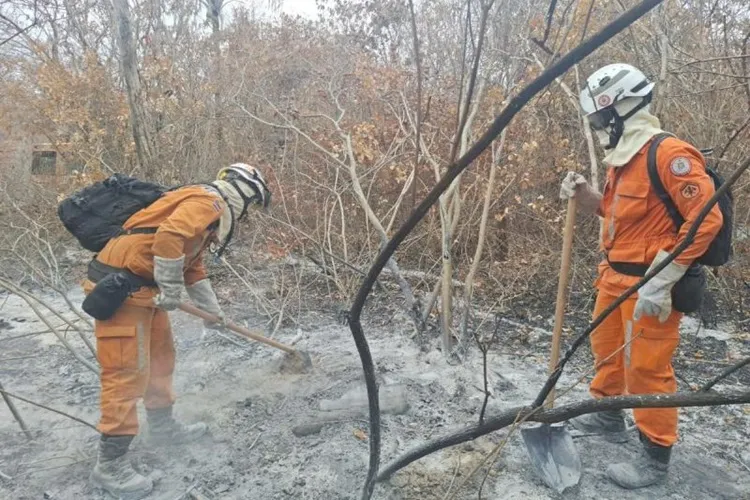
point(562, 413)
point(500, 122)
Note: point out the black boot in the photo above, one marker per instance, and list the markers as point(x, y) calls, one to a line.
point(649, 468)
point(114, 473)
point(609, 424)
point(164, 429)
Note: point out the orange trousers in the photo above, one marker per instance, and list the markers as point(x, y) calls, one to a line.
point(643, 366)
point(137, 357)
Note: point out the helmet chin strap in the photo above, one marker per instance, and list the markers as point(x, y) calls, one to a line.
point(614, 131)
point(218, 252)
point(246, 199)
point(616, 128)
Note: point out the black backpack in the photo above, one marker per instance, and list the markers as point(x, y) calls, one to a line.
point(720, 249)
point(96, 213)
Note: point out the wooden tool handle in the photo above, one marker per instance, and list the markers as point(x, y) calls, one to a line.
point(562, 289)
point(191, 309)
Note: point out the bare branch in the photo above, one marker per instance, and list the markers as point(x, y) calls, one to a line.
point(16, 396)
point(727, 372)
point(30, 299)
point(563, 413)
point(16, 415)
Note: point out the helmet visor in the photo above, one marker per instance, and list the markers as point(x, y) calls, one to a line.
point(602, 118)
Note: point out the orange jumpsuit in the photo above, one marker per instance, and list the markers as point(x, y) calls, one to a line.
point(636, 225)
point(135, 347)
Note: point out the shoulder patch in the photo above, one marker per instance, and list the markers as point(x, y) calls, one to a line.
point(217, 206)
point(690, 190)
point(680, 166)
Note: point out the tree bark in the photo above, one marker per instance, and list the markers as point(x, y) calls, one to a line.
point(418, 64)
point(481, 238)
point(129, 66)
point(214, 15)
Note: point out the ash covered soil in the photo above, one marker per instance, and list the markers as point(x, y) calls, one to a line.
point(252, 406)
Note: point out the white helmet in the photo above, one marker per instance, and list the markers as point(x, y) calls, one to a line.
point(612, 84)
point(249, 176)
point(606, 88)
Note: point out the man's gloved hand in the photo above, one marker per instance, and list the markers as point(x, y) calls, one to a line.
point(574, 185)
point(168, 274)
point(569, 186)
point(204, 298)
point(655, 297)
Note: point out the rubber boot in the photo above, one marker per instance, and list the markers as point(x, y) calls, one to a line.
point(609, 424)
point(114, 473)
point(164, 429)
point(649, 468)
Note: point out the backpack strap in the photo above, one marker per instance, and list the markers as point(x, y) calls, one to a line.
point(147, 230)
point(656, 183)
point(137, 230)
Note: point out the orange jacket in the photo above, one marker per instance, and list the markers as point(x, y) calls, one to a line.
point(183, 217)
point(636, 223)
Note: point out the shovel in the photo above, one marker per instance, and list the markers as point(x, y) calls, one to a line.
point(296, 361)
point(550, 446)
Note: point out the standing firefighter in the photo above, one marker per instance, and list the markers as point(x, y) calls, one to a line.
point(637, 233)
point(139, 275)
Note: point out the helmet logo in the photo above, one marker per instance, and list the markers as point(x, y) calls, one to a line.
point(604, 100)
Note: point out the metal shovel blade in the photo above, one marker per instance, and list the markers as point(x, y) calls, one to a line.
point(553, 454)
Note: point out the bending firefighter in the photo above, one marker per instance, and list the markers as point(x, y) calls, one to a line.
point(637, 234)
point(161, 247)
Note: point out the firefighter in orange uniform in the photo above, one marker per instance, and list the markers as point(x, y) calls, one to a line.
point(637, 233)
point(135, 347)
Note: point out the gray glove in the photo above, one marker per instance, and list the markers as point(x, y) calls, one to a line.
point(168, 274)
point(569, 185)
point(575, 186)
point(204, 298)
point(655, 297)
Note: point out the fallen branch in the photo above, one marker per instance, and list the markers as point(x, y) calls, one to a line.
point(565, 412)
point(498, 125)
point(39, 405)
point(54, 467)
point(492, 457)
point(30, 334)
point(725, 374)
point(27, 297)
point(71, 323)
point(16, 415)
